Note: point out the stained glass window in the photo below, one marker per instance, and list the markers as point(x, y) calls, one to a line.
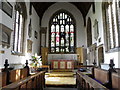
point(62, 33)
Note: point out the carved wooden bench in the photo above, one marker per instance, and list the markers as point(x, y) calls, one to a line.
point(11, 76)
point(86, 82)
point(15, 75)
point(34, 82)
point(102, 76)
point(3, 79)
point(115, 81)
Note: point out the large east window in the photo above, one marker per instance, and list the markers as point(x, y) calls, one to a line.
point(18, 29)
point(112, 24)
point(62, 33)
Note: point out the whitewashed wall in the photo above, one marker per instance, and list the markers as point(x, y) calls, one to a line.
point(6, 20)
point(80, 30)
point(98, 15)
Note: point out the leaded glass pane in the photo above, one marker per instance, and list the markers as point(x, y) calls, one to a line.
point(63, 21)
point(62, 41)
point(65, 16)
point(62, 28)
point(67, 35)
point(61, 16)
point(57, 49)
point(52, 28)
point(72, 35)
point(52, 50)
point(58, 16)
point(67, 49)
point(60, 21)
point(57, 35)
point(54, 20)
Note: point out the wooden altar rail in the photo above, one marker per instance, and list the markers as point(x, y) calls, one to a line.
point(34, 82)
point(85, 82)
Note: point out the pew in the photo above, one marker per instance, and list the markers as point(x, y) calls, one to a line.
point(33, 82)
point(84, 82)
point(3, 79)
point(108, 78)
point(102, 76)
point(15, 75)
point(8, 76)
point(115, 81)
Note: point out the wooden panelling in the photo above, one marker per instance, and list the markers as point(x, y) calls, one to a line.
point(23, 86)
point(85, 82)
point(23, 73)
point(100, 73)
point(14, 75)
point(44, 52)
point(28, 83)
point(62, 64)
point(116, 81)
point(81, 54)
point(3, 78)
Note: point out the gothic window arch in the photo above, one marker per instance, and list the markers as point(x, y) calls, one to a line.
point(62, 33)
point(19, 27)
point(111, 24)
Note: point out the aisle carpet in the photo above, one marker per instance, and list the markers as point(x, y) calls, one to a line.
point(60, 78)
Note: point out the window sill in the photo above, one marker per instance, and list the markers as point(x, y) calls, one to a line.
point(17, 53)
point(117, 49)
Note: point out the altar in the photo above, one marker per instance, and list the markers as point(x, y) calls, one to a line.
point(62, 64)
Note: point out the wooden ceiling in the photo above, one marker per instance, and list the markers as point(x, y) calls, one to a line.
point(41, 7)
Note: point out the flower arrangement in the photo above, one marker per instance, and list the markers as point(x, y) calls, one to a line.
point(36, 61)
